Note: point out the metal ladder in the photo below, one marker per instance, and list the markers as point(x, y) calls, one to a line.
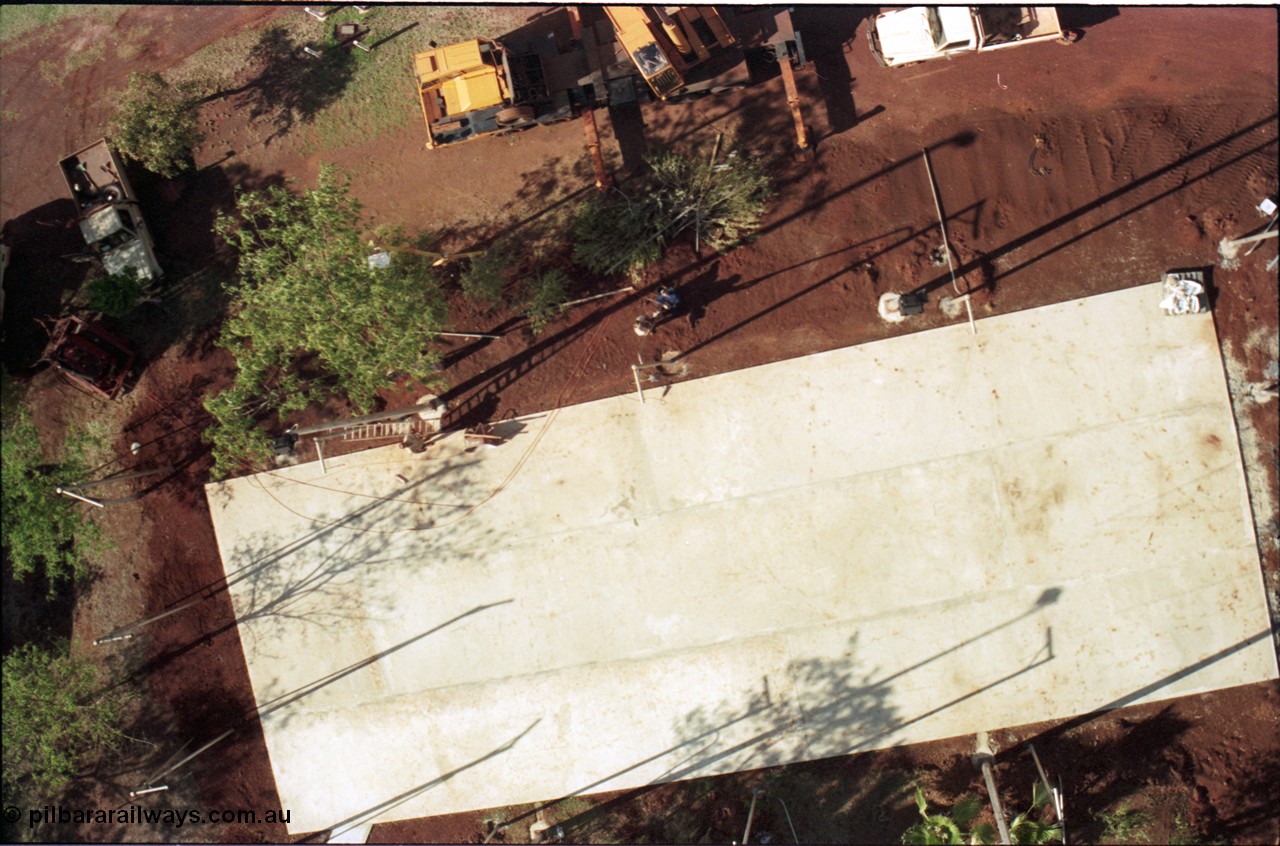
point(384, 429)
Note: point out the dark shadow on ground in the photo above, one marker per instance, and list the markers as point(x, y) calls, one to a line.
point(39, 279)
point(828, 31)
point(1081, 17)
point(291, 87)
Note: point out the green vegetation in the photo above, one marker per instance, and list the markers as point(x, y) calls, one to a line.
point(960, 827)
point(1125, 825)
point(17, 20)
point(115, 294)
point(956, 827)
point(1027, 828)
point(54, 722)
point(56, 71)
point(310, 318)
point(722, 204)
point(157, 124)
point(488, 274)
point(43, 533)
point(545, 296)
point(377, 94)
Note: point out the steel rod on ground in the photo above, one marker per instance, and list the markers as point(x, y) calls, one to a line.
point(946, 244)
point(121, 477)
point(1264, 234)
point(635, 371)
point(794, 836)
point(746, 835)
point(467, 335)
point(983, 756)
point(70, 493)
point(1053, 793)
point(598, 296)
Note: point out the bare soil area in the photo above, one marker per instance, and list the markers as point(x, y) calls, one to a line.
point(1150, 154)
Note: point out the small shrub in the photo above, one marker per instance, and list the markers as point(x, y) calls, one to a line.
point(487, 274)
point(545, 298)
point(612, 234)
point(722, 204)
point(116, 294)
point(1126, 825)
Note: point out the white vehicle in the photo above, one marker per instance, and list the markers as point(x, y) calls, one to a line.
point(906, 36)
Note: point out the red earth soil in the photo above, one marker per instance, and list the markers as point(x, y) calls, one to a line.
point(1153, 150)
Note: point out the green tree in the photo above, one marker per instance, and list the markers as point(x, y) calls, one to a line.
point(310, 317)
point(545, 296)
point(721, 204)
point(616, 234)
point(157, 124)
point(116, 294)
point(42, 531)
point(54, 721)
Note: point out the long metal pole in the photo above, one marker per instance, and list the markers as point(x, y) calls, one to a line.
point(995, 801)
point(946, 245)
point(467, 335)
point(74, 495)
point(746, 835)
point(794, 836)
point(599, 296)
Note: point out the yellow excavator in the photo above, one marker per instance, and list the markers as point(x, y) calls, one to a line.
point(667, 43)
point(626, 55)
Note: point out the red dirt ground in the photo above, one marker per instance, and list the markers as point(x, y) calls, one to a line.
point(1152, 160)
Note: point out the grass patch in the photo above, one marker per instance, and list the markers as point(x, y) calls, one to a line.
point(380, 96)
point(1125, 825)
point(55, 71)
point(20, 20)
point(127, 50)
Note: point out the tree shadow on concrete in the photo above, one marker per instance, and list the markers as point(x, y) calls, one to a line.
point(825, 706)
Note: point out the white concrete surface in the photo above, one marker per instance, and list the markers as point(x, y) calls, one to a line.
point(912, 539)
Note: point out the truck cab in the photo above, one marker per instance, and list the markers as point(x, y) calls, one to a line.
point(919, 33)
point(110, 217)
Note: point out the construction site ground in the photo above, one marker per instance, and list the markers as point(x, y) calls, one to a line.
point(912, 539)
point(1153, 148)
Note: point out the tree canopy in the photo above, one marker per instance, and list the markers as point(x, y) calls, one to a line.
point(54, 720)
point(312, 316)
point(42, 531)
point(157, 124)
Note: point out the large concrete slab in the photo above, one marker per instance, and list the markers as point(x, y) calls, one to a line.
point(912, 539)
